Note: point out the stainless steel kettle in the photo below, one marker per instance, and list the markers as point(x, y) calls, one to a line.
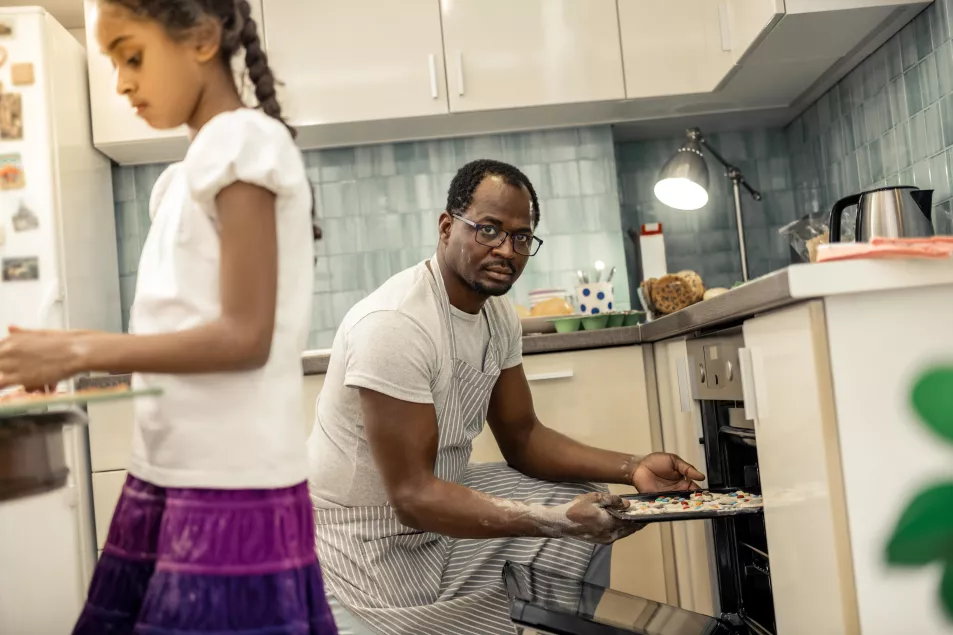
point(887, 212)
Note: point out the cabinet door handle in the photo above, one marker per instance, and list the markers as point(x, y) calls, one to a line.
point(559, 374)
point(682, 378)
point(460, 84)
point(432, 62)
point(748, 389)
point(725, 25)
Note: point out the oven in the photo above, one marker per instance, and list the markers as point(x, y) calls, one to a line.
point(740, 547)
point(545, 602)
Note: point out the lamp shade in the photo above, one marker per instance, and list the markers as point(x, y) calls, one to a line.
point(683, 182)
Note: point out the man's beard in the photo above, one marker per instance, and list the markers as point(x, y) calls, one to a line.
point(482, 289)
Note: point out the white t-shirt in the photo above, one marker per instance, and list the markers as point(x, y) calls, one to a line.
point(230, 430)
point(393, 342)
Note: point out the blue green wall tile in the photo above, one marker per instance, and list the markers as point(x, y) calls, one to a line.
point(378, 207)
point(912, 131)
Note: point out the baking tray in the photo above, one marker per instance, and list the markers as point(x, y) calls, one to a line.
point(35, 405)
point(676, 516)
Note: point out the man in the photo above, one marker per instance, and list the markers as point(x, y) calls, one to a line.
point(413, 539)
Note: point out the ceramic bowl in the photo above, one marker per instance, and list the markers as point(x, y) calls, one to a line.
point(616, 318)
point(595, 322)
point(568, 324)
point(634, 317)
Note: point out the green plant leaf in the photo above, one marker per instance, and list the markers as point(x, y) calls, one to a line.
point(933, 400)
point(946, 590)
point(924, 532)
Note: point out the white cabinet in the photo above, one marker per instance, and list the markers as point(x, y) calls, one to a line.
point(506, 54)
point(749, 21)
point(681, 435)
point(787, 378)
point(107, 487)
point(675, 47)
point(361, 60)
point(117, 131)
point(599, 397)
point(110, 434)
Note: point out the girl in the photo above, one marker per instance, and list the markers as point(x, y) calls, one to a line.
point(213, 532)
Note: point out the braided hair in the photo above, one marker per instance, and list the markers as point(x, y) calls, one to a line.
point(239, 31)
point(469, 177)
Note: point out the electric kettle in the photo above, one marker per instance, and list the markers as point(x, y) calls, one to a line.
point(888, 212)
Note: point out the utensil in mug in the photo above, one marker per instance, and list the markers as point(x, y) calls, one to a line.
point(611, 273)
point(599, 268)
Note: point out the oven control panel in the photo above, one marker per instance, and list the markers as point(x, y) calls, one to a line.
point(713, 367)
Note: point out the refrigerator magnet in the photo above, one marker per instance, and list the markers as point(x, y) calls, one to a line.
point(25, 220)
point(21, 269)
point(22, 74)
point(11, 172)
point(6, 29)
point(3, 56)
point(11, 116)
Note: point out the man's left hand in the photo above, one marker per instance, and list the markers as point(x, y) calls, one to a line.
point(664, 472)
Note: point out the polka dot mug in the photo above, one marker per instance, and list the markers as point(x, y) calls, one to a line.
point(595, 298)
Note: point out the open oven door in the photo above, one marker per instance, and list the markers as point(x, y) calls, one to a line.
point(551, 604)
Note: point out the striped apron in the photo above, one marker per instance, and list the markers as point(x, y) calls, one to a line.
point(402, 581)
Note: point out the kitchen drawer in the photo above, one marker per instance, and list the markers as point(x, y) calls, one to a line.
point(597, 397)
point(107, 486)
point(110, 435)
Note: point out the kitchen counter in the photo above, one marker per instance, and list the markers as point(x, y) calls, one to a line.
point(799, 283)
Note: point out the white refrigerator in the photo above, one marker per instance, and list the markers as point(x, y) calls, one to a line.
point(59, 270)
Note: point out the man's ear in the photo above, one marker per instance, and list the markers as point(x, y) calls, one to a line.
point(444, 225)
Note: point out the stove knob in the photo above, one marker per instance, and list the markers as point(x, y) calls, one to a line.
point(702, 376)
point(729, 371)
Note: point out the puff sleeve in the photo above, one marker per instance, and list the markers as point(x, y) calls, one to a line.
point(242, 145)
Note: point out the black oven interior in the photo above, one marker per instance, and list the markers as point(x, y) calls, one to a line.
point(740, 544)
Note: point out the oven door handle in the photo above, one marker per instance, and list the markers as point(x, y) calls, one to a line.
point(748, 390)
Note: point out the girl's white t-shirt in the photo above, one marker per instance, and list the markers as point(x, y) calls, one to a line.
point(229, 430)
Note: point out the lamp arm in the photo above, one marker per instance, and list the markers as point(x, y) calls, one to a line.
point(733, 172)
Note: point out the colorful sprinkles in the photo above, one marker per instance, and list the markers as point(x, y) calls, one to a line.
point(698, 501)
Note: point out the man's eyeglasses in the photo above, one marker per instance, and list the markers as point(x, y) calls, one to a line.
point(492, 236)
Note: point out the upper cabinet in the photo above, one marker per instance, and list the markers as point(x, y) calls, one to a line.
point(117, 131)
point(675, 47)
point(360, 60)
point(513, 54)
point(378, 71)
point(748, 21)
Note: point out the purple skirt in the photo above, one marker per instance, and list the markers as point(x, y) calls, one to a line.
point(190, 561)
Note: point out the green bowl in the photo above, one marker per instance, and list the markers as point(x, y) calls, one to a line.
point(616, 318)
point(569, 324)
point(634, 317)
point(595, 322)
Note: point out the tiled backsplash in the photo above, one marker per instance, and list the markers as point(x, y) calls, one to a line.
point(706, 240)
point(378, 208)
point(888, 122)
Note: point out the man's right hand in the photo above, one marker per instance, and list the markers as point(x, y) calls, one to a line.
point(589, 521)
